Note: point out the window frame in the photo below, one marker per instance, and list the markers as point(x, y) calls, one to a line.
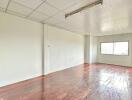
point(113, 48)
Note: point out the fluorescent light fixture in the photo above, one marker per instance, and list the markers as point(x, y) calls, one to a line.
point(84, 7)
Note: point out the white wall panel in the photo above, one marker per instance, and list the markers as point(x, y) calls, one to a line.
point(64, 49)
point(20, 49)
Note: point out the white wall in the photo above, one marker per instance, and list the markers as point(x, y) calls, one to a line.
point(111, 59)
point(90, 49)
point(93, 49)
point(63, 49)
point(20, 49)
point(87, 49)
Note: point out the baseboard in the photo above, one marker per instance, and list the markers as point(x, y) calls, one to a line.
point(63, 69)
point(115, 64)
point(23, 81)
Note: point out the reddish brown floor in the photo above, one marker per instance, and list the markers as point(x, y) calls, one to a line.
point(84, 82)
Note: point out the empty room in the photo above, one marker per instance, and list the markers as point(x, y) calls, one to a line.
point(65, 49)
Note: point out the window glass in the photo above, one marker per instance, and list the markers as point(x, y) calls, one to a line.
point(121, 48)
point(106, 48)
point(115, 48)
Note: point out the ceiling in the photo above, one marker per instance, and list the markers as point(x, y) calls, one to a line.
point(113, 17)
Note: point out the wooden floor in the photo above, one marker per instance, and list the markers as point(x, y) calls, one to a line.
point(84, 82)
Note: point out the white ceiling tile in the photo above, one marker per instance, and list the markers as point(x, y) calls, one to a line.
point(30, 3)
point(15, 7)
point(16, 14)
point(38, 16)
point(62, 4)
point(70, 27)
point(73, 22)
point(47, 9)
point(52, 21)
point(72, 8)
point(59, 16)
point(3, 3)
point(64, 25)
point(77, 20)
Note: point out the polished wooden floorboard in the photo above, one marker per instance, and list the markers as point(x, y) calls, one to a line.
point(84, 82)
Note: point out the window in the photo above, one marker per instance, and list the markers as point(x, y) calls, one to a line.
point(114, 48)
point(106, 48)
point(121, 48)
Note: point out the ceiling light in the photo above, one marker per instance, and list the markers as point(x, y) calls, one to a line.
point(84, 7)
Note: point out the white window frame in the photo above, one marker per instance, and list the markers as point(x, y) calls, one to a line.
point(113, 48)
